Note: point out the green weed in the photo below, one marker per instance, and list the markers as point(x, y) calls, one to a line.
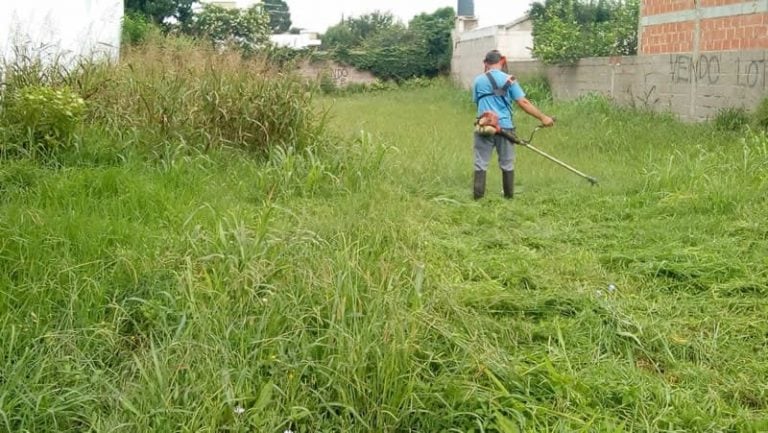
point(731, 119)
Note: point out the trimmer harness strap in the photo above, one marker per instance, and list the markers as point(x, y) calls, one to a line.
point(497, 91)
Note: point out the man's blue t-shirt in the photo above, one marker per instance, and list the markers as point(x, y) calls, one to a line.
point(497, 104)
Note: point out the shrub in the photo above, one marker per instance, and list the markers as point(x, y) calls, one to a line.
point(731, 119)
point(327, 84)
point(41, 118)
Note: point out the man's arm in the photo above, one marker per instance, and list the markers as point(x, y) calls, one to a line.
point(531, 109)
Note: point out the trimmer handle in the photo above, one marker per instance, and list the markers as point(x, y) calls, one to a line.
point(517, 140)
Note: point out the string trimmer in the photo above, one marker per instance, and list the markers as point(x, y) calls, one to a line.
point(527, 143)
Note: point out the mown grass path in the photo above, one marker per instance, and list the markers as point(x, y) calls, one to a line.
point(676, 226)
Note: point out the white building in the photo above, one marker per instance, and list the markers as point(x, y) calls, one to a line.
point(60, 30)
point(514, 40)
point(299, 41)
point(227, 4)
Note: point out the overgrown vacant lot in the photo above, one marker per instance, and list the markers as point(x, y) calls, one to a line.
point(358, 288)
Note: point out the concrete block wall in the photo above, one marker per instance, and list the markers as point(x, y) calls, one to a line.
point(467, 60)
point(693, 87)
point(515, 44)
point(342, 75)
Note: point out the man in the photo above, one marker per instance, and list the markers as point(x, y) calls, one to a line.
point(492, 91)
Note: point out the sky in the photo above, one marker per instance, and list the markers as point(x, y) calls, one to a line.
point(318, 15)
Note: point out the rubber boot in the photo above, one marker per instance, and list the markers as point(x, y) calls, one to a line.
point(508, 183)
point(479, 188)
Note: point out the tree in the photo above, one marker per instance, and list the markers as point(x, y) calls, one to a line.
point(394, 54)
point(247, 29)
point(159, 10)
point(352, 32)
point(557, 39)
point(279, 15)
point(567, 30)
point(384, 46)
point(368, 25)
point(435, 32)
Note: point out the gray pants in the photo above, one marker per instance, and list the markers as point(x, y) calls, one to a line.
point(484, 146)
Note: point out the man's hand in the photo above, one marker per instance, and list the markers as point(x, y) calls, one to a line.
point(546, 121)
point(534, 112)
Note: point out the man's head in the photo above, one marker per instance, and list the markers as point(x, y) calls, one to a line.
point(494, 59)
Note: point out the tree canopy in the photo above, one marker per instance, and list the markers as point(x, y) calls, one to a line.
point(279, 15)
point(159, 10)
point(567, 30)
point(246, 28)
point(434, 31)
point(352, 32)
point(392, 50)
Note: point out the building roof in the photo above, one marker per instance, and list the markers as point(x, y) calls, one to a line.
point(522, 20)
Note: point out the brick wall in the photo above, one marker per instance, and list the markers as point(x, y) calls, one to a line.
point(657, 7)
point(685, 26)
point(667, 38)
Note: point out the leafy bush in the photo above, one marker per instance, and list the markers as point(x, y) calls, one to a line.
point(137, 28)
point(41, 118)
point(327, 84)
point(731, 119)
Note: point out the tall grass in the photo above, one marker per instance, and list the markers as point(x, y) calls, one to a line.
point(147, 284)
point(178, 91)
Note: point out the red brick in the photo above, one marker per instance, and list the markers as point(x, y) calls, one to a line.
point(739, 32)
point(657, 7)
